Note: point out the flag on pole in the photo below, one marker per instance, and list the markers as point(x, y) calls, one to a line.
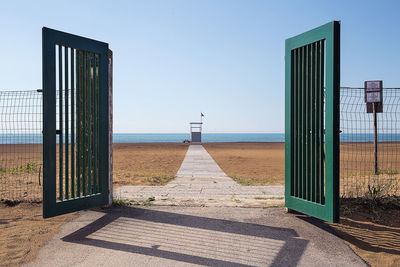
point(202, 114)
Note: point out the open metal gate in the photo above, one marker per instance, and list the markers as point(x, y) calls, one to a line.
point(312, 87)
point(75, 123)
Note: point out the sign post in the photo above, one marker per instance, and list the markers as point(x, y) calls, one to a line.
point(373, 98)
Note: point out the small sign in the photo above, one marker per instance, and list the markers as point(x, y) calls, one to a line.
point(373, 96)
point(373, 85)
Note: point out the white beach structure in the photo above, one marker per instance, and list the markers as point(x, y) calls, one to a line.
point(195, 132)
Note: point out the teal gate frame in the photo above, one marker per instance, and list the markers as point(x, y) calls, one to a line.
point(312, 105)
point(76, 115)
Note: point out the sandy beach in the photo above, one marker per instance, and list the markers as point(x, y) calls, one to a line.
point(147, 163)
point(246, 163)
point(250, 163)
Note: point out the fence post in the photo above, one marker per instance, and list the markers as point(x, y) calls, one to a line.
point(375, 139)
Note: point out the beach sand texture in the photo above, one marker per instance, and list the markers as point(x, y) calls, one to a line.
point(21, 172)
point(374, 238)
point(264, 164)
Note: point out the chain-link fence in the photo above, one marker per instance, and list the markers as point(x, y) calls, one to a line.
point(358, 175)
point(20, 145)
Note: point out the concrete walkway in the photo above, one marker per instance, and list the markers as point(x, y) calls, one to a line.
point(194, 236)
point(201, 182)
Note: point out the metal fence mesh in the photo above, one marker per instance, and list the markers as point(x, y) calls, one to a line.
point(20, 145)
point(357, 162)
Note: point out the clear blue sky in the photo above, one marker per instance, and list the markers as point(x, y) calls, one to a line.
point(175, 59)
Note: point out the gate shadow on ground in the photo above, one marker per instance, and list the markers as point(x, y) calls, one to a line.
point(191, 239)
point(364, 235)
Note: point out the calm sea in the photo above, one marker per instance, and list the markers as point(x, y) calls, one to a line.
point(207, 137)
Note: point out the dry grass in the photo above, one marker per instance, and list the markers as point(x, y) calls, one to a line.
point(264, 164)
point(250, 163)
point(21, 172)
point(134, 164)
point(357, 168)
point(147, 163)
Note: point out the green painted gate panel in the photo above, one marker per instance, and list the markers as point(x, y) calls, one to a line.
point(312, 86)
point(75, 123)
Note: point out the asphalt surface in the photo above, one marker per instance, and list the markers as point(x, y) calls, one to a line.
point(193, 236)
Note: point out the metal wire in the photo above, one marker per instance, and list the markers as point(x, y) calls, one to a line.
point(357, 172)
point(20, 145)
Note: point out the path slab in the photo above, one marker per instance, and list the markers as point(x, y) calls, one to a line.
point(201, 182)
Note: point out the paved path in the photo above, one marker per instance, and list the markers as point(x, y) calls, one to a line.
point(193, 236)
point(201, 182)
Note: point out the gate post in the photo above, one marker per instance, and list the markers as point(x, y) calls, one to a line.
point(110, 126)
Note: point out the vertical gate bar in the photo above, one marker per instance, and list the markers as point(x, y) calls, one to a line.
point(309, 112)
point(103, 70)
point(93, 109)
point(72, 124)
point(322, 121)
point(309, 123)
point(93, 120)
point(84, 96)
point(313, 111)
point(299, 122)
point(60, 115)
point(305, 115)
point(297, 118)
point(95, 114)
point(98, 122)
point(318, 123)
point(78, 123)
point(316, 188)
point(294, 130)
point(304, 129)
point(96, 132)
point(82, 120)
point(90, 114)
point(66, 122)
point(334, 110)
point(99, 184)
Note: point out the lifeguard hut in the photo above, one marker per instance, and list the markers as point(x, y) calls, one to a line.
point(195, 132)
